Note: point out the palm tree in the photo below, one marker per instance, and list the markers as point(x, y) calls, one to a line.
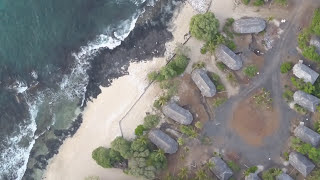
point(183, 173)
point(160, 155)
point(201, 174)
point(163, 100)
point(143, 140)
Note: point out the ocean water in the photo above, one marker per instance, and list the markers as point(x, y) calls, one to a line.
point(45, 50)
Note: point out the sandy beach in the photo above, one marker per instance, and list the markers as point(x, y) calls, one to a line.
point(101, 117)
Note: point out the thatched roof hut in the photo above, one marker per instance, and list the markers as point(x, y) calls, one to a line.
point(220, 168)
point(163, 141)
point(305, 100)
point(228, 57)
point(301, 163)
point(252, 176)
point(249, 25)
point(315, 41)
point(283, 176)
point(304, 72)
point(203, 82)
point(177, 113)
point(307, 135)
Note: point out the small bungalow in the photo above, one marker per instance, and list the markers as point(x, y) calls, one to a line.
point(307, 135)
point(315, 41)
point(304, 72)
point(301, 163)
point(177, 113)
point(305, 100)
point(220, 168)
point(283, 176)
point(249, 25)
point(228, 57)
point(163, 141)
point(252, 176)
point(203, 82)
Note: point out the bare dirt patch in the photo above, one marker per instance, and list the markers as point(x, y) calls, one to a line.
point(254, 124)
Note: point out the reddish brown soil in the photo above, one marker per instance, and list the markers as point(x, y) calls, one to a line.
point(254, 124)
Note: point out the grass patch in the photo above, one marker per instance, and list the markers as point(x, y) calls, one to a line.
point(219, 101)
point(221, 66)
point(250, 71)
point(263, 98)
point(287, 95)
point(250, 170)
point(233, 166)
point(246, 2)
point(258, 3)
point(231, 78)
point(217, 82)
point(285, 67)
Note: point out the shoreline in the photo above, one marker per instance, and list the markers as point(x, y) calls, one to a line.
point(108, 108)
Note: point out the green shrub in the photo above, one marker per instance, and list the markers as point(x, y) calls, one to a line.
point(250, 71)
point(231, 77)
point(250, 170)
point(315, 23)
point(123, 146)
point(152, 76)
point(199, 125)
point(139, 130)
point(161, 101)
point(151, 121)
point(106, 157)
point(217, 82)
point(246, 2)
point(203, 50)
point(314, 175)
point(287, 95)
point(232, 165)
point(271, 174)
point(285, 67)
point(188, 130)
point(300, 109)
point(219, 101)
point(282, 2)
point(258, 3)
point(317, 126)
point(286, 156)
point(180, 141)
point(227, 28)
point(301, 85)
point(204, 26)
point(306, 149)
point(221, 66)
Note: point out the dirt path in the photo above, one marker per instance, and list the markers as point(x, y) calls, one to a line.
point(226, 138)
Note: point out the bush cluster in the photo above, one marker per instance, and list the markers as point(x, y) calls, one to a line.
point(250, 71)
point(306, 149)
point(189, 131)
point(217, 82)
point(271, 174)
point(151, 121)
point(285, 67)
point(106, 158)
point(250, 170)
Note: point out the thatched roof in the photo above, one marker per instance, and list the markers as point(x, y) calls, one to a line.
point(220, 168)
point(200, 5)
point(307, 135)
point(252, 176)
point(301, 163)
point(228, 57)
point(283, 176)
point(315, 41)
point(249, 25)
point(177, 113)
point(305, 100)
point(201, 79)
point(163, 141)
point(304, 72)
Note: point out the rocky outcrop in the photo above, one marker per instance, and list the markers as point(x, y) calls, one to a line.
point(200, 6)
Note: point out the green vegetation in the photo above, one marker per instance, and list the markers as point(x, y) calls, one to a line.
point(250, 71)
point(258, 3)
point(189, 131)
point(306, 87)
point(263, 98)
point(227, 28)
point(221, 66)
point(204, 26)
point(287, 95)
point(317, 126)
point(139, 130)
point(250, 170)
point(231, 77)
point(233, 166)
point(306, 149)
point(181, 141)
point(286, 156)
point(151, 121)
point(198, 65)
point(217, 82)
point(271, 174)
point(285, 67)
point(161, 101)
point(171, 70)
point(106, 158)
point(300, 109)
point(198, 125)
point(246, 2)
point(315, 175)
point(281, 2)
point(219, 101)
point(309, 51)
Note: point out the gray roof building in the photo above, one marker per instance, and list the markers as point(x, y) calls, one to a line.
point(283, 176)
point(252, 176)
point(228, 57)
point(315, 41)
point(307, 135)
point(304, 72)
point(249, 25)
point(220, 168)
point(163, 141)
point(177, 113)
point(203, 82)
point(301, 163)
point(305, 100)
